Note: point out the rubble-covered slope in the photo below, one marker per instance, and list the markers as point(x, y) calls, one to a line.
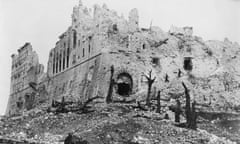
point(116, 123)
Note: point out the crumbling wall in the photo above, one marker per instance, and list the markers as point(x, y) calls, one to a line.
point(79, 66)
point(76, 83)
point(25, 70)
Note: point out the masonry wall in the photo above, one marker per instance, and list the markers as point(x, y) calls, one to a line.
point(79, 65)
point(25, 70)
point(78, 82)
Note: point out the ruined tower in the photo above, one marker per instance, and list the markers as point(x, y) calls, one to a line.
point(25, 68)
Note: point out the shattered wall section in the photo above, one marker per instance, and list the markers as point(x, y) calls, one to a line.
point(25, 71)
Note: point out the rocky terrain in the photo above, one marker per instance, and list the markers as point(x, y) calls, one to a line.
point(115, 123)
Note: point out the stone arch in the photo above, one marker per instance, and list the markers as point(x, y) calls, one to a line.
point(132, 73)
point(124, 84)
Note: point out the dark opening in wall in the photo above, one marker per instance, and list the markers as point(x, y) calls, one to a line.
point(89, 48)
point(29, 101)
point(124, 84)
point(188, 64)
point(60, 62)
point(19, 103)
point(123, 89)
point(63, 59)
point(53, 67)
point(83, 52)
point(74, 38)
point(144, 46)
point(89, 44)
point(68, 52)
point(115, 28)
point(53, 63)
point(57, 64)
point(155, 61)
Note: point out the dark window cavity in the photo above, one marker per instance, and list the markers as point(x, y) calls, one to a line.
point(188, 64)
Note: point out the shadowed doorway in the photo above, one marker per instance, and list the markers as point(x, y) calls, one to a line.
point(124, 84)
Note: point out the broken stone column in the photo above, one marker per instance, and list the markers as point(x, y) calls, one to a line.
point(133, 20)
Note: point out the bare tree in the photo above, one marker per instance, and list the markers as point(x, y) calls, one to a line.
point(158, 102)
point(193, 122)
point(191, 114)
point(178, 111)
point(110, 90)
point(150, 81)
point(187, 107)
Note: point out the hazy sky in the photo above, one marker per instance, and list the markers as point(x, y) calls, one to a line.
point(42, 21)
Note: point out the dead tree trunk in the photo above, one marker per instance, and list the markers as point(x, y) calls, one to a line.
point(150, 81)
point(178, 111)
point(158, 103)
point(187, 107)
point(191, 114)
point(193, 124)
point(110, 90)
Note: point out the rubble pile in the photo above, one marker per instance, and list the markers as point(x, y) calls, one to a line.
point(115, 123)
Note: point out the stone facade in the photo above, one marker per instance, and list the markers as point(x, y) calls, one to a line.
point(79, 65)
point(25, 69)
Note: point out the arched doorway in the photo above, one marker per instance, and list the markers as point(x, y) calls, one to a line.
point(124, 84)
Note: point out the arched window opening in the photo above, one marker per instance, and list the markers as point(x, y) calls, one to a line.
point(63, 59)
point(188, 66)
point(67, 57)
point(54, 63)
point(60, 62)
point(74, 38)
point(115, 28)
point(89, 48)
point(83, 53)
point(144, 46)
point(89, 44)
point(57, 64)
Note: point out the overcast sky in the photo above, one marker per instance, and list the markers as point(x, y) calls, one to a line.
point(42, 21)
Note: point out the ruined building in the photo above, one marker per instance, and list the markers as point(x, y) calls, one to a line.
point(25, 69)
point(79, 66)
